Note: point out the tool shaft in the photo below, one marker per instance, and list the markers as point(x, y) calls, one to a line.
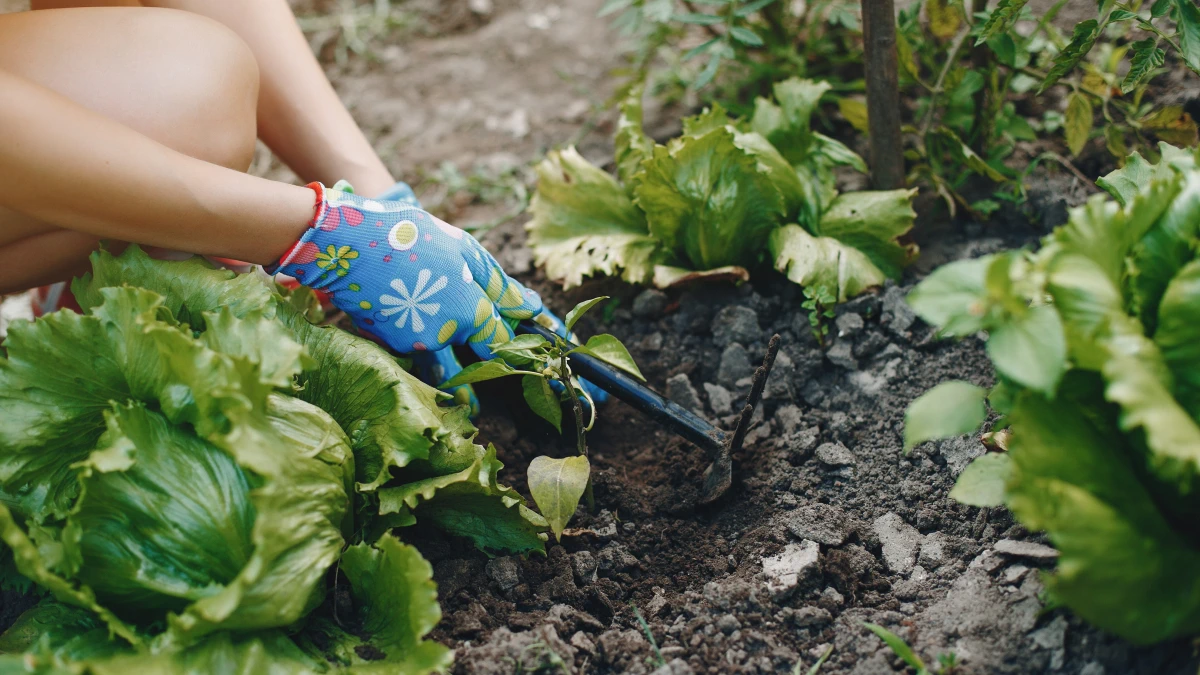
point(624, 386)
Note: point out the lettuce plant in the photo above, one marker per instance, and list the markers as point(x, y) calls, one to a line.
point(182, 465)
point(1095, 341)
point(721, 198)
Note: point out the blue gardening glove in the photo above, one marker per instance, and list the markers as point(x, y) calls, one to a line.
point(438, 367)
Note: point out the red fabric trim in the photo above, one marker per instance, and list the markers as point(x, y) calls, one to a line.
point(319, 209)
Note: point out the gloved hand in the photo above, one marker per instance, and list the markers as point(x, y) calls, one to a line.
point(417, 283)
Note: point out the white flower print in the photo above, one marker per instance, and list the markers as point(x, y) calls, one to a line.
point(412, 304)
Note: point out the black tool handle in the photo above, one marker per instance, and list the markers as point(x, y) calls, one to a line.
point(624, 386)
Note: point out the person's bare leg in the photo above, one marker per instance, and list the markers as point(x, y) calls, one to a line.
point(180, 79)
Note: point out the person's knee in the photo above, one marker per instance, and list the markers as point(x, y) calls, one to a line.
point(217, 106)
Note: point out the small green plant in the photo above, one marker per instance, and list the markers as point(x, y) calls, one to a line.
point(947, 662)
point(819, 302)
point(658, 661)
point(1093, 340)
point(354, 28)
point(557, 484)
point(816, 667)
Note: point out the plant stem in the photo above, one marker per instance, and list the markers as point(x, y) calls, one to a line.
point(883, 94)
point(580, 431)
point(951, 59)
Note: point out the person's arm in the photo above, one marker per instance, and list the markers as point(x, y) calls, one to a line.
point(61, 163)
point(300, 117)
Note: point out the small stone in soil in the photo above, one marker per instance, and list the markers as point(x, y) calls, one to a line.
point(834, 454)
point(735, 364)
point(728, 623)
point(819, 522)
point(900, 542)
point(649, 304)
point(615, 558)
point(810, 616)
point(802, 442)
point(681, 391)
point(785, 571)
point(652, 342)
point(896, 308)
point(933, 549)
point(505, 572)
point(584, 566)
point(789, 417)
point(842, 354)
point(959, 452)
point(1025, 549)
point(848, 325)
point(736, 324)
point(676, 666)
point(719, 398)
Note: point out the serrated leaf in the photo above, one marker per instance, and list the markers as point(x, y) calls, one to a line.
point(823, 261)
point(1078, 121)
point(582, 308)
point(1121, 15)
point(1001, 20)
point(1160, 8)
point(1187, 16)
point(630, 142)
point(542, 400)
point(982, 482)
point(1146, 58)
point(950, 409)
point(480, 372)
point(610, 350)
point(557, 485)
point(1081, 43)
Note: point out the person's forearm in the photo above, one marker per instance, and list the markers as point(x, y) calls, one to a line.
point(63, 164)
point(299, 115)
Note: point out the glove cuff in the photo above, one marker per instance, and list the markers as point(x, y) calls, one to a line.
point(320, 208)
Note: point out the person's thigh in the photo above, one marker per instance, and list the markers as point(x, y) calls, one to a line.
point(181, 79)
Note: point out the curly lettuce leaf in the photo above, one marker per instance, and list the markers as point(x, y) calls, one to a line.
point(707, 201)
point(788, 123)
point(631, 143)
point(1165, 248)
point(823, 262)
point(584, 224)
point(872, 222)
point(469, 503)
point(1178, 336)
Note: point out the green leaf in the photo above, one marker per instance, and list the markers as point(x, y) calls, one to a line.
point(788, 125)
point(873, 221)
point(710, 69)
point(1178, 335)
point(1137, 174)
point(1165, 248)
point(480, 372)
point(899, 647)
point(707, 202)
point(771, 164)
point(468, 503)
point(542, 400)
point(1187, 16)
point(745, 36)
point(982, 482)
point(698, 19)
point(631, 143)
point(1160, 8)
point(967, 156)
point(557, 486)
point(1121, 15)
point(1001, 20)
point(953, 297)
point(855, 112)
point(610, 350)
point(751, 7)
point(823, 261)
point(944, 18)
point(1081, 43)
point(582, 308)
point(584, 224)
point(949, 409)
point(1078, 124)
point(1030, 349)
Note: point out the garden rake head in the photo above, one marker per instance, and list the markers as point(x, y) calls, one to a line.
point(720, 444)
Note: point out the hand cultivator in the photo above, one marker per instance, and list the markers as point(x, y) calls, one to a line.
point(720, 444)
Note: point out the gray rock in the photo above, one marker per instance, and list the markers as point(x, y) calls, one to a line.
point(896, 308)
point(649, 304)
point(822, 523)
point(933, 550)
point(735, 364)
point(584, 566)
point(675, 666)
point(1025, 549)
point(736, 324)
point(1052, 636)
point(728, 623)
point(719, 398)
point(1014, 574)
point(681, 391)
point(783, 374)
point(811, 616)
point(789, 417)
point(900, 542)
point(831, 594)
point(652, 342)
point(802, 442)
point(505, 572)
point(842, 355)
point(958, 452)
point(1092, 668)
point(848, 325)
point(615, 558)
point(785, 571)
point(583, 643)
point(834, 454)
point(657, 605)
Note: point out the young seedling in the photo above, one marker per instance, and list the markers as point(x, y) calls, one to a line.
point(819, 302)
point(557, 484)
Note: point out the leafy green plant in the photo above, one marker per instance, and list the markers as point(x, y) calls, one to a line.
point(947, 662)
point(819, 302)
point(182, 465)
point(557, 484)
point(716, 200)
point(1094, 344)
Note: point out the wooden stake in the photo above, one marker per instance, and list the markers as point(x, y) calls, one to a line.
point(883, 94)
